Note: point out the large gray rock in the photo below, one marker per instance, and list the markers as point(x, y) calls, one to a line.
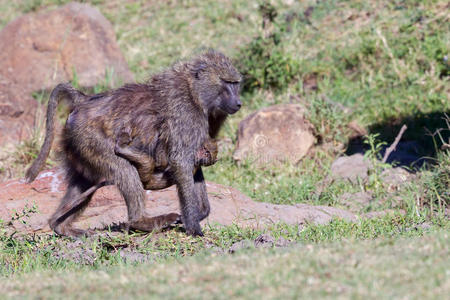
point(40, 50)
point(275, 133)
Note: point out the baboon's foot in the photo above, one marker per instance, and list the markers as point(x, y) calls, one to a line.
point(154, 223)
point(193, 228)
point(73, 232)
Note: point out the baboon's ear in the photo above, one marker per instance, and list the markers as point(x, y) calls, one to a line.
point(198, 68)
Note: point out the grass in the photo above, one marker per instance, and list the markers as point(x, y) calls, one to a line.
point(33, 253)
point(384, 268)
point(379, 64)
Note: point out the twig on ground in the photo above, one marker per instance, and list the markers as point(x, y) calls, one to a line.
point(394, 144)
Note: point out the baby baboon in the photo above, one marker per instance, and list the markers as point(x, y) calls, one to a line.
point(179, 110)
point(154, 171)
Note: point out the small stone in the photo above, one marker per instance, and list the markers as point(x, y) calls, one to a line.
point(282, 242)
point(241, 245)
point(394, 178)
point(264, 241)
point(133, 256)
point(351, 167)
point(424, 226)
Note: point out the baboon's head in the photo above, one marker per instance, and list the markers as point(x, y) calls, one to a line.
point(216, 82)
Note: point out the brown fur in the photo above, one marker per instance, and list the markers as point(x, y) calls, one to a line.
point(177, 111)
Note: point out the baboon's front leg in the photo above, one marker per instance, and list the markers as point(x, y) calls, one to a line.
point(188, 197)
point(200, 189)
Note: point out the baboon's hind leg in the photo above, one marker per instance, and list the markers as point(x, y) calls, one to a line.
point(72, 205)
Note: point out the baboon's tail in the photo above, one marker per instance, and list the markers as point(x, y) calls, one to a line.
point(62, 90)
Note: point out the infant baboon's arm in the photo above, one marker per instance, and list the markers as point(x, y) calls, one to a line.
point(145, 164)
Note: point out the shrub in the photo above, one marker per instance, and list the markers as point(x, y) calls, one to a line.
point(264, 61)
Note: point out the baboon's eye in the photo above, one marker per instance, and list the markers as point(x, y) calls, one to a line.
point(200, 67)
point(225, 81)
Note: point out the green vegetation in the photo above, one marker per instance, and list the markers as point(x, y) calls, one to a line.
point(415, 268)
point(22, 254)
point(380, 64)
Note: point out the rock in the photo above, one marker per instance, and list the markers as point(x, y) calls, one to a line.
point(40, 50)
point(275, 133)
point(228, 206)
point(382, 213)
point(425, 226)
point(356, 201)
point(75, 251)
point(350, 167)
point(134, 256)
point(394, 178)
point(264, 241)
point(17, 113)
point(282, 242)
point(268, 241)
point(241, 245)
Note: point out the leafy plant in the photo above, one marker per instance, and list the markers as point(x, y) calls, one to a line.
point(376, 165)
point(24, 213)
point(264, 61)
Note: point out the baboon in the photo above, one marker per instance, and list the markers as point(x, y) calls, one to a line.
point(153, 172)
point(178, 110)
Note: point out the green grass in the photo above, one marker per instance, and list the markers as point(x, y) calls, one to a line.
point(384, 268)
point(34, 253)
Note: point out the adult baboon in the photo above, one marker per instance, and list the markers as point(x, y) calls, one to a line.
point(179, 110)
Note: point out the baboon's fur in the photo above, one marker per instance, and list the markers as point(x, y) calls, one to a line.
point(154, 171)
point(178, 110)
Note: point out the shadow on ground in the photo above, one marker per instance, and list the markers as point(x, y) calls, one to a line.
point(418, 145)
